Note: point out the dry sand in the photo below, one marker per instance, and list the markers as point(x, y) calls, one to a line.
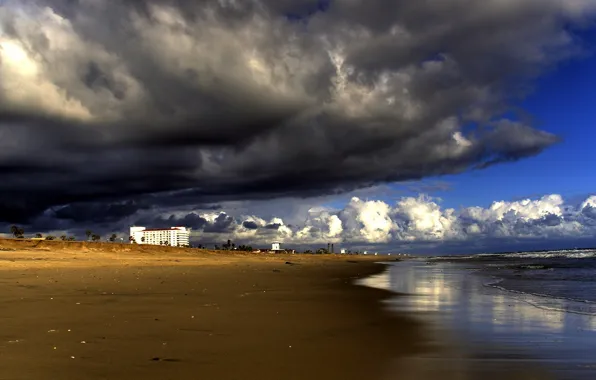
point(111, 311)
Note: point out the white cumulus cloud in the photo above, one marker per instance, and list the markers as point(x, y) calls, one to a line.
point(409, 220)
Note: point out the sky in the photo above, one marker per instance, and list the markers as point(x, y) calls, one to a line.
point(422, 127)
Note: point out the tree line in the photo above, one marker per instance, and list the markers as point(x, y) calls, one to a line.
point(230, 246)
point(19, 233)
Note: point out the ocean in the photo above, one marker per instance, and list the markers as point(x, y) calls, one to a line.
point(521, 315)
point(557, 280)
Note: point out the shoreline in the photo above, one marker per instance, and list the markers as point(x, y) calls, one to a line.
point(206, 315)
point(483, 332)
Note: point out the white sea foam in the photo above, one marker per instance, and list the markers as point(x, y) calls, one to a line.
point(571, 254)
point(545, 301)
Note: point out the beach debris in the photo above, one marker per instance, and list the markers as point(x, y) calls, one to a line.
point(72, 357)
point(55, 348)
point(14, 341)
point(158, 359)
point(289, 263)
point(51, 331)
point(276, 270)
point(83, 342)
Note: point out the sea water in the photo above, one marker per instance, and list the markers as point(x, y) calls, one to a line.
point(523, 315)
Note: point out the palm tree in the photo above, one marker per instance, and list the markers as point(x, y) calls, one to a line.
point(63, 237)
point(88, 233)
point(95, 237)
point(38, 235)
point(71, 238)
point(17, 231)
point(50, 237)
point(113, 238)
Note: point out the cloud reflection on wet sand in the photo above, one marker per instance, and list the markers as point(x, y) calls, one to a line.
point(482, 332)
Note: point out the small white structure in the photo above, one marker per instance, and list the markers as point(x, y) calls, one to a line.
point(343, 250)
point(173, 236)
point(276, 246)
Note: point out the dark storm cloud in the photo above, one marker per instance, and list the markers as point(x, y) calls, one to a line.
point(98, 212)
point(220, 224)
point(250, 225)
point(223, 223)
point(179, 103)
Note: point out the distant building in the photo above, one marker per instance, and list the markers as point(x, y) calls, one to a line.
point(173, 236)
point(276, 246)
point(343, 250)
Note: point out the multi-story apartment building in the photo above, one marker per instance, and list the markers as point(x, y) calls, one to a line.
point(173, 236)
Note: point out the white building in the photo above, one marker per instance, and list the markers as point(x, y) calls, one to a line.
point(343, 250)
point(276, 246)
point(173, 236)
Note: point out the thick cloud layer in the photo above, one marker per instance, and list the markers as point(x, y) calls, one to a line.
point(410, 224)
point(411, 221)
point(182, 103)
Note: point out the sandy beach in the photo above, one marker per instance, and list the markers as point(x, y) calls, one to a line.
point(111, 311)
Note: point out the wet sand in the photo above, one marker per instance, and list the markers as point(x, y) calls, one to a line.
point(481, 332)
point(99, 314)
